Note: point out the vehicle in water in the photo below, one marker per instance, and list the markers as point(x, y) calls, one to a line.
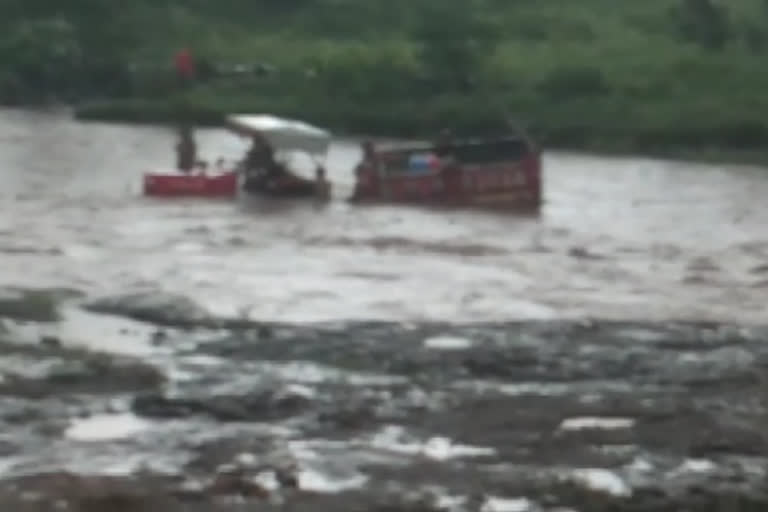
point(498, 173)
point(191, 178)
point(197, 183)
point(265, 171)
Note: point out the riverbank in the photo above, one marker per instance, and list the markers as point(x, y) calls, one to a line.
point(579, 126)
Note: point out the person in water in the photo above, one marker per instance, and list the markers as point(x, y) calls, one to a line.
point(261, 168)
point(444, 145)
point(368, 156)
point(260, 156)
point(186, 150)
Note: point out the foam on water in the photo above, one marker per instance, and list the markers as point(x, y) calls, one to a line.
point(121, 444)
point(79, 328)
point(96, 463)
point(318, 481)
point(516, 389)
point(602, 480)
point(593, 423)
point(395, 439)
point(106, 427)
point(202, 361)
point(640, 465)
point(447, 343)
point(313, 373)
point(696, 466)
point(301, 390)
point(267, 480)
point(321, 470)
point(18, 366)
point(495, 504)
point(449, 502)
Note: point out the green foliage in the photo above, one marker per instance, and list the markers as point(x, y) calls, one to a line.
point(454, 40)
point(704, 23)
point(653, 75)
point(573, 82)
point(40, 54)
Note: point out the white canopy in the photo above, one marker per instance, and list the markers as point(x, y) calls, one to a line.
point(283, 134)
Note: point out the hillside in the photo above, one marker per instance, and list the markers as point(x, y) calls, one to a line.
point(656, 75)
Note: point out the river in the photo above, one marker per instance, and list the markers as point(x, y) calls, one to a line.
point(617, 238)
point(420, 411)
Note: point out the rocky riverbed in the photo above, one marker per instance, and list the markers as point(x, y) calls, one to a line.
point(231, 414)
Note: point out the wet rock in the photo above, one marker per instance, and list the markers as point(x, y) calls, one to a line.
point(7, 448)
point(251, 453)
point(703, 265)
point(157, 494)
point(83, 372)
point(29, 305)
point(21, 414)
point(696, 279)
point(160, 407)
point(728, 441)
point(346, 416)
point(690, 389)
point(417, 502)
point(111, 373)
point(124, 502)
point(51, 341)
point(259, 406)
point(236, 484)
point(166, 309)
point(157, 307)
point(159, 336)
point(486, 366)
point(583, 253)
point(85, 494)
point(287, 479)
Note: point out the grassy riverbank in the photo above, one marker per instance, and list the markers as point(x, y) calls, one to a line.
point(661, 76)
point(611, 124)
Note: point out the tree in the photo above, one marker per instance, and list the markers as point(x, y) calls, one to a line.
point(454, 41)
point(704, 23)
point(44, 55)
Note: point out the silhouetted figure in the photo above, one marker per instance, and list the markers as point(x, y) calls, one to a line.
point(186, 150)
point(185, 67)
point(444, 145)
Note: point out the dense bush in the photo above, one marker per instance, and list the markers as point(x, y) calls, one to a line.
point(656, 74)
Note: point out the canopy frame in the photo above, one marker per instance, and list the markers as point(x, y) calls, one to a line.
point(281, 133)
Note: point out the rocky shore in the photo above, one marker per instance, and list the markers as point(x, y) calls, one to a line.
point(235, 415)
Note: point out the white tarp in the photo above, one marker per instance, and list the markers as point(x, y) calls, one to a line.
point(283, 134)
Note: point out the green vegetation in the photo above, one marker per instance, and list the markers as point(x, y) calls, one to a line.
point(656, 75)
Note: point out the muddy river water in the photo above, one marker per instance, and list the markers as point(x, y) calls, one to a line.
point(667, 239)
point(398, 399)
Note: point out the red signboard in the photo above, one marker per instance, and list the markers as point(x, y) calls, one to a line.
point(494, 178)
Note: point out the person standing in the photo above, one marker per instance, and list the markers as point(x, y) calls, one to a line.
point(185, 67)
point(186, 150)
